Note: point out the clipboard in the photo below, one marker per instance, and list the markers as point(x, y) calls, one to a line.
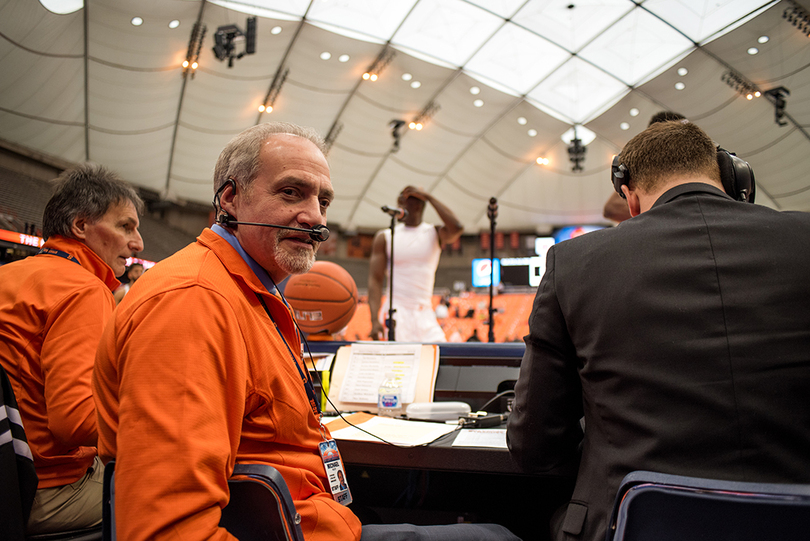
point(428, 365)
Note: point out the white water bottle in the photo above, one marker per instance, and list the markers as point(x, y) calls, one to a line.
point(389, 397)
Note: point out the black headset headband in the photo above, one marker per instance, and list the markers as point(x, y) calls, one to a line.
point(735, 174)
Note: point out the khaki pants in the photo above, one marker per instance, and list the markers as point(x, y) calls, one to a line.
point(69, 507)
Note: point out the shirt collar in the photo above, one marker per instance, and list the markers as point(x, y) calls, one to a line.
point(257, 269)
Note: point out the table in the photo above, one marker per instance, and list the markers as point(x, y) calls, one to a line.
point(441, 484)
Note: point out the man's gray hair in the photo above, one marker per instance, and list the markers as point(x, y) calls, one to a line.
point(85, 191)
point(240, 157)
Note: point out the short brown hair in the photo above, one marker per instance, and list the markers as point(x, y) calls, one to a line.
point(668, 149)
point(87, 190)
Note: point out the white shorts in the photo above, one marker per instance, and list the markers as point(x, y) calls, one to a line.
point(419, 325)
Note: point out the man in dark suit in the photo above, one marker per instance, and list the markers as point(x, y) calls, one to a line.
point(682, 336)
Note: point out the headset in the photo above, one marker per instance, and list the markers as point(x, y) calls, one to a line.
point(319, 233)
point(735, 174)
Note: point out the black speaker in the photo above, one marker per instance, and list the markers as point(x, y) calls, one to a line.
point(735, 174)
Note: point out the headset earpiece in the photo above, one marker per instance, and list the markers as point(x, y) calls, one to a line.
point(223, 217)
point(619, 176)
point(736, 176)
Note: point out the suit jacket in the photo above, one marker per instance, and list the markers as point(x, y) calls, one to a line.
point(683, 338)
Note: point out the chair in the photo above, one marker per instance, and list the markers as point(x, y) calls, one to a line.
point(260, 505)
point(660, 507)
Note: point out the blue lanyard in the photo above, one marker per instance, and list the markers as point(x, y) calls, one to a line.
point(60, 253)
point(305, 377)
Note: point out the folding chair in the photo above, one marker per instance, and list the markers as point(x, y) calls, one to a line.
point(260, 507)
point(660, 507)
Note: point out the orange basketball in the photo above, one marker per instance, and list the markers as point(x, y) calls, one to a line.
point(324, 299)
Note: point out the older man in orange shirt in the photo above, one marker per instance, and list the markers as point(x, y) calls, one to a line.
point(201, 366)
point(53, 308)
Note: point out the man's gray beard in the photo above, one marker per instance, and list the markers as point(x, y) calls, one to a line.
point(298, 262)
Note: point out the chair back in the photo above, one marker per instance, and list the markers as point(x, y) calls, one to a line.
point(260, 506)
point(660, 507)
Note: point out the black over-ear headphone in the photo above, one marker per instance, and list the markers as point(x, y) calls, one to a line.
point(735, 174)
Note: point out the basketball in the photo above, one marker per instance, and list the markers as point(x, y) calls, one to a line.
point(324, 299)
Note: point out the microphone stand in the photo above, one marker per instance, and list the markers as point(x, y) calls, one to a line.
point(391, 322)
point(492, 213)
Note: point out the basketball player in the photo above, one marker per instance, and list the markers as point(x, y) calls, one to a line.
point(201, 367)
point(417, 247)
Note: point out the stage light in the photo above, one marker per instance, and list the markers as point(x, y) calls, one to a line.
point(379, 64)
point(193, 52)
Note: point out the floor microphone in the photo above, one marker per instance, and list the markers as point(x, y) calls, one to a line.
point(319, 233)
point(399, 213)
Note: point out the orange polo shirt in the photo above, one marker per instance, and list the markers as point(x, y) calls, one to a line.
point(52, 313)
point(193, 376)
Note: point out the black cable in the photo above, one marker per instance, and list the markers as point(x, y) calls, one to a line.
point(496, 397)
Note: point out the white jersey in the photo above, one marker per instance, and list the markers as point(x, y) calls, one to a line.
point(416, 257)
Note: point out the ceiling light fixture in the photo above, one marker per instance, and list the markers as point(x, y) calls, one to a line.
point(407, 76)
point(542, 161)
point(136, 21)
point(478, 103)
point(326, 55)
point(624, 126)
point(474, 90)
point(679, 86)
point(276, 30)
point(343, 58)
point(634, 112)
point(752, 51)
point(522, 120)
point(576, 153)
point(682, 71)
point(174, 24)
point(191, 63)
point(379, 64)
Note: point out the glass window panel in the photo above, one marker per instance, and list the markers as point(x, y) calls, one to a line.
point(635, 46)
point(502, 8)
point(449, 30)
point(372, 17)
point(273, 9)
point(517, 58)
point(570, 27)
point(577, 90)
point(700, 19)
